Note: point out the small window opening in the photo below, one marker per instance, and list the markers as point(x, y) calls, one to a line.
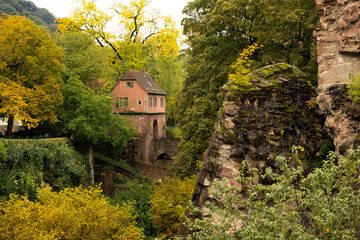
point(129, 84)
point(161, 102)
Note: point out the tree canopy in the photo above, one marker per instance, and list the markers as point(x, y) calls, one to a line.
point(85, 59)
point(29, 68)
point(27, 8)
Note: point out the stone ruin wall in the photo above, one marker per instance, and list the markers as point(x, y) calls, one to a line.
point(338, 40)
point(338, 43)
point(259, 124)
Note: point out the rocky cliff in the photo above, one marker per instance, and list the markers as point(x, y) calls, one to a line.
point(261, 122)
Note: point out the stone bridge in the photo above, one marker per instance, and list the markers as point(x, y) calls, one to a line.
point(159, 151)
point(163, 149)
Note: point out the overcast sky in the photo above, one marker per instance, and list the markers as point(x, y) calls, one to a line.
point(64, 8)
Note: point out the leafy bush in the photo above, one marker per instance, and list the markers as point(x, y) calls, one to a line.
point(139, 193)
point(73, 213)
point(323, 205)
point(173, 132)
point(31, 162)
point(169, 203)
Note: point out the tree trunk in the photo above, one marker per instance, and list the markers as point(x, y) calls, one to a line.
point(91, 161)
point(9, 128)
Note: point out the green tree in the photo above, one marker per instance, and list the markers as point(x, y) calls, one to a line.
point(29, 163)
point(29, 68)
point(139, 193)
point(89, 119)
point(40, 16)
point(285, 28)
point(84, 58)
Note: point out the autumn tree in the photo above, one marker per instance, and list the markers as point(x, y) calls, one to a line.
point(73, 213)
point(90, 19)
point(29, 67)
point(169, 204)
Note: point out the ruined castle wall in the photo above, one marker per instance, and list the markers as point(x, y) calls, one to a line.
point(260, 123)
point(338, 42)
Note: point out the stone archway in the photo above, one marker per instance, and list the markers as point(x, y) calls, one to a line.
point(155, 130)
point(164, 156)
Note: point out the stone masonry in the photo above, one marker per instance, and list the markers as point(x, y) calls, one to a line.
point(338, 43)
point(338, 40)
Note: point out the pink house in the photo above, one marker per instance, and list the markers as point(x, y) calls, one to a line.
point(139, 98)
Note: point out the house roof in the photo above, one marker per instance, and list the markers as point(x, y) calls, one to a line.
point(145, 81)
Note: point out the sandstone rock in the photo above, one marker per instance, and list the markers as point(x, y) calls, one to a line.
point(342, 116)
point(338, 40)
point(268, 118)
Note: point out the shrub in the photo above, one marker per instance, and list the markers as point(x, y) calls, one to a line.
point(139, 193)
point(73, 213)
point(29, 163)
point(323, 205)
point(169, 203)
point(173, 132)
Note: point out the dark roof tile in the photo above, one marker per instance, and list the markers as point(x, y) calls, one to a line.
point(145, 81)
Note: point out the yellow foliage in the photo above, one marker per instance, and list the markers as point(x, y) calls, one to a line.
point(133, 18)
point(169, 203)
point(140, 28)
point(140, 31)
point(88, 18)
point(73, 213)
point(165, 41)
point(29, 67)
point(242, 68)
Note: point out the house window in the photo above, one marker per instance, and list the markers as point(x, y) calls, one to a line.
point(150, 102)
point(122, 102)
point(139, 102)
point(155, 102)
point(129, 84)
point(161, 102)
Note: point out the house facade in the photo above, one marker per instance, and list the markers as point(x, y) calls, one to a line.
point(139, 98)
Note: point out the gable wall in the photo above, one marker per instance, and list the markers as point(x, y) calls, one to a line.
point(135, 94)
